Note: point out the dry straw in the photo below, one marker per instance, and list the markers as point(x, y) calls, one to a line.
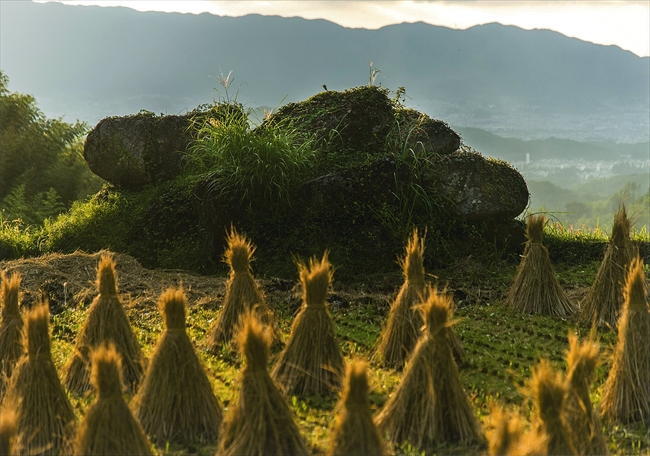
point(626, 396)
point(43, 413)
point(548, 390)
point(404, 321)
point(243, 294)
point(430, 406)
point(507, 435)
point(581, 419)
point(605, 297)
point(109, 427)
point(106, 322)
point(11, 327)
point(260, 422)
point(7, 429)
point(354, 432)
point(175, 402)
point(535, 289)
point(311, 362)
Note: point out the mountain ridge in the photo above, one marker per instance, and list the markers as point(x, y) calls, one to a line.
point(485, 76)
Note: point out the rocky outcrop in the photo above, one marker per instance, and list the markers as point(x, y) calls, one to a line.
point(378, 169)
point(133, 151)
point(137, 150)
point(364, 122)
point(481, 188)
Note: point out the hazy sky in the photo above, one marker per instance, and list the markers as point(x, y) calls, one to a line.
point(624, 23)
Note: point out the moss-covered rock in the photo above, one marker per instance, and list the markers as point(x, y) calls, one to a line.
point(378, 170)
point(133, 151)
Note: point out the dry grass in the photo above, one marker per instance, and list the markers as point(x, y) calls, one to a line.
point(430, 406)
point(175, 402)
point(7, 430)
point(507, 435)
point(535, 288)
point(580, 416)
point(311, 362)
point(548, 390)
point(354, 432)
point(605, 298)
point(243, 294)
point(43, 413)
point(106, 322)
point(108, 427)
point(11, 327)
point(260, 422)
point(404, 321)
point(626, 395)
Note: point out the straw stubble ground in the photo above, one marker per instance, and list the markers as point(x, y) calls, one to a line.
point(501, 346)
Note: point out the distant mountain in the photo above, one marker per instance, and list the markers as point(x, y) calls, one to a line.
point(518, 150)
point(88, 62)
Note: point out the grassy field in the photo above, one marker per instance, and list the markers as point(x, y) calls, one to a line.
point(500, 346)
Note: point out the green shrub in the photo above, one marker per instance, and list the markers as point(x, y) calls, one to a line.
point(101, 222)
point(238, 162)
point(16, 239)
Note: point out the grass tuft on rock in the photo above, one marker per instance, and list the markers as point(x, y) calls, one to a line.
point(243, 294)
point(44, 415)
point(626, 395)
point(108, 427)
point(260, 422)
point(404, 321)
point(430, 407)
point(11, 327)
point(548, 389)
point(175, 402)
point(603, 302)
point(311, 362)
point(106, 322)
point(354, 432)
point(535, 288)
point(580, 416)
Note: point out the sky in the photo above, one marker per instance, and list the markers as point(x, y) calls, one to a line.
point(623, 23)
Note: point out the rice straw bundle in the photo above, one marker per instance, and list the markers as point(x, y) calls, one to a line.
point(11, 328)
point(581, 419)
point(109, 427)
point(260, 421)
point(430, 406)
point(605, 297)
point(43, 413)
point(507, 435)
point(7, 429)
point(354, 432)
point(243, 294)
point(106, 322)
point(535, 289)
point(547, 391)
point(175, 402)
point(404, 321)
point(626, 396)
point(311, 362)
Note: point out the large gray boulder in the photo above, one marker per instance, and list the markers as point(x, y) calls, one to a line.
point(133, 151)
point(481, 188)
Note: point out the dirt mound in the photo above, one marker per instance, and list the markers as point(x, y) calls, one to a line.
point(69, 279)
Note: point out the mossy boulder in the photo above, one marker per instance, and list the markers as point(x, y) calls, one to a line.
point(364, 121)
point(378, 170)
point(133, 151)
